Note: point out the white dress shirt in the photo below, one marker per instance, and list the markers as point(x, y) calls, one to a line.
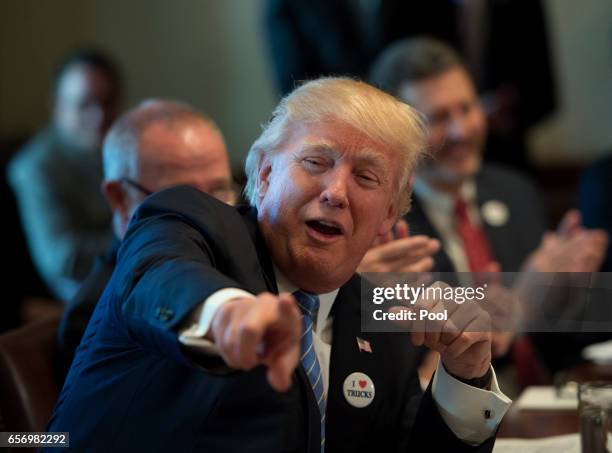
point(471, 413)
point(439, 207)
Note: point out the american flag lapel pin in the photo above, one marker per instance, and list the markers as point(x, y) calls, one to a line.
point(364, 345)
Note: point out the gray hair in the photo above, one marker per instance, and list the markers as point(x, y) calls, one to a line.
point(411, 60)
point(121, 145)
point(380, 116)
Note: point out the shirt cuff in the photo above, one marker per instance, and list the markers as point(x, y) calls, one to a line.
point(471, 413)
point(193, 336)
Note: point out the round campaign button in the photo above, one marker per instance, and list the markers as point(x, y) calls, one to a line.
point(495, 213)
point(358, 389)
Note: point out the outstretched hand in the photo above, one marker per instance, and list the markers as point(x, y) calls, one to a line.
point(265, 330)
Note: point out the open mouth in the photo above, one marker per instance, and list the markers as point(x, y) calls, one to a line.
point(323, 227)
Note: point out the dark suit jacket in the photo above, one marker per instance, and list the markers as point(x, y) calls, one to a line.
point(133, 388)
point(595, 202)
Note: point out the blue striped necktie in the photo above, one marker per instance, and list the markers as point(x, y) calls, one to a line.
point(309, 306)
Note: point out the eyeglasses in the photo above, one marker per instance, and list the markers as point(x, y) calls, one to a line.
point(135, 185)
point(226, 194)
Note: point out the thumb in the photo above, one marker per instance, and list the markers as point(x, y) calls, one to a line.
point(401, 229)
point(570, 224)
point(383, 239)
point(493, 267)
point(281, 367)
point(548, 239)
point(287, 307)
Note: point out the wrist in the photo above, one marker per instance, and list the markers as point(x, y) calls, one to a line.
point(483, 382)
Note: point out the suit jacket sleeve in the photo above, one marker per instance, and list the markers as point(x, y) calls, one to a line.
point(168, 264)
point(428, 431)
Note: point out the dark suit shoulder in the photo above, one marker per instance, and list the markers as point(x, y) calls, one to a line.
point(596, 177)
point(219, 224)
point(185, 201)
point(203, 229)
point(503, 178)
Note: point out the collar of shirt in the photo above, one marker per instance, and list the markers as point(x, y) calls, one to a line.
point(323, 321)
point(441, 199)
point(439, 206)
point(439, 209)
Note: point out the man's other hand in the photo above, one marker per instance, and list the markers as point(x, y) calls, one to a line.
point(402, 253)
point(571, 248)
point(463, 340)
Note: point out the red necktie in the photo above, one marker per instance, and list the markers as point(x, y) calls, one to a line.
point(479, 255)
point(475, 244)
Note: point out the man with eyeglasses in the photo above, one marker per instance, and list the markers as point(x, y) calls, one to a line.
point(487, 217)
point(156, 145)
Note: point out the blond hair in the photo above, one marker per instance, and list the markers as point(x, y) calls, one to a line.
point(378, 115)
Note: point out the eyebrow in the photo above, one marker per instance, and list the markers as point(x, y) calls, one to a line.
point(318, 145)
point(366, 156)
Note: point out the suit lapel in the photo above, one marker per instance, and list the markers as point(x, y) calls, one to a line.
point(344, 421)
point(249, 215)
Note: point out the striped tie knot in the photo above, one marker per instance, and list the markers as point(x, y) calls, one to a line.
point(308, 303)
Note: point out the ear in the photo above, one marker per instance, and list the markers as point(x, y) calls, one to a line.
point(264, 170)
point(117, 199)
point(390, 219)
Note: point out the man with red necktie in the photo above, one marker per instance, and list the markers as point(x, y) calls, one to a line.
point(487, 217)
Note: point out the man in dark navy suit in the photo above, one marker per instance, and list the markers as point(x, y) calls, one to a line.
point(487, 217)
point(228, 329)
point(455, 191)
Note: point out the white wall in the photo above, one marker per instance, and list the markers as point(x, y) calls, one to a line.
point(34, 34)
point(207, 52)
point(581, 37)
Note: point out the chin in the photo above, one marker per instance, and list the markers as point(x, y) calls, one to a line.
point(465, 169)
point(319, 271)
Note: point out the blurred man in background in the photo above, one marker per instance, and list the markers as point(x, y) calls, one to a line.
point(158, 144)
point(487, 217)
point(56, 177)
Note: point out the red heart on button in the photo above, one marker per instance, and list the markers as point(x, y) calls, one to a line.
point(362, 384)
